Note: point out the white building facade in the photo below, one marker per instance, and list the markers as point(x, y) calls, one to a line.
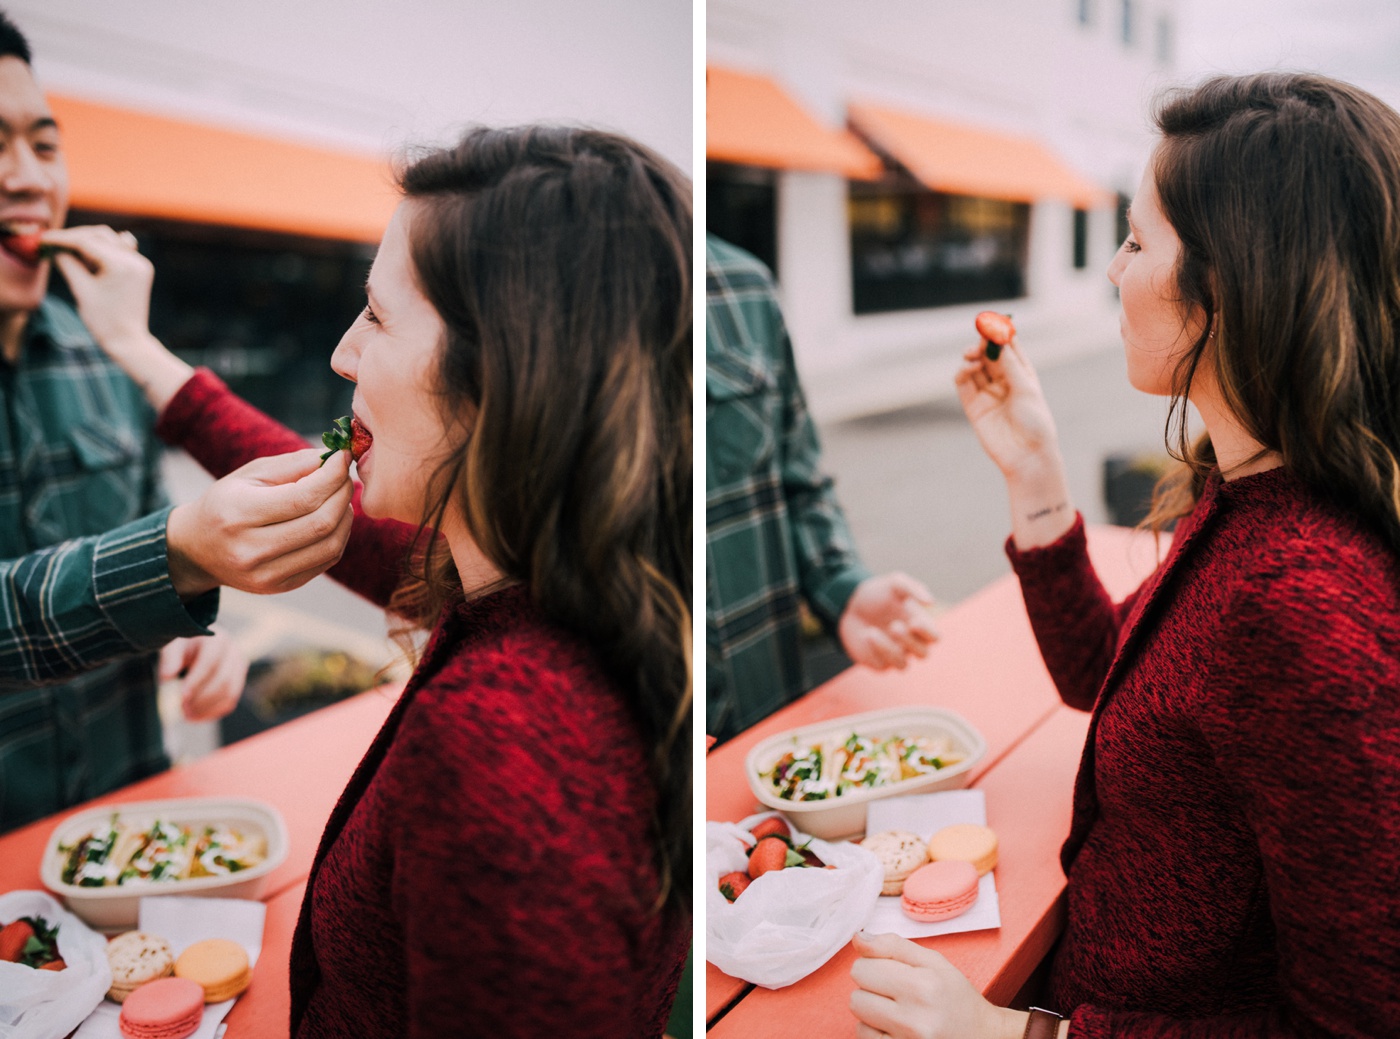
point(1076, 77)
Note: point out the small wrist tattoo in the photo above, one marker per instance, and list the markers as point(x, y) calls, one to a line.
point(1048, 511)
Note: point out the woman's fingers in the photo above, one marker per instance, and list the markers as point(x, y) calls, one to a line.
point(878, 1012)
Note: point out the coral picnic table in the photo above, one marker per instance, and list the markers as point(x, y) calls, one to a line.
point(986, 666)
point(300, 768)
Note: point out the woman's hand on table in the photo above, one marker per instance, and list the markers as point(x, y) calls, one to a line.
point(1007, 409)
point(111, 284)
point(886, 621)
point(212, 671)
point(909, 992)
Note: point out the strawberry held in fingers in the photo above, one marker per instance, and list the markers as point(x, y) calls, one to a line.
point(997, 330)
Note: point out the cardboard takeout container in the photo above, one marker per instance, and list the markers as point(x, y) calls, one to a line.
point(844, 815)
point(116, 907)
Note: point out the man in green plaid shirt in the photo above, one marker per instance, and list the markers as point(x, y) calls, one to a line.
point(775, 535)
point(90, 587)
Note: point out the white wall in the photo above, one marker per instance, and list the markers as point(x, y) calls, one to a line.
point(376, 74)
point(1024, 67)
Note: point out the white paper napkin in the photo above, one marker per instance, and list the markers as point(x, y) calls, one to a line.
point(925, 815)
point(182, 921)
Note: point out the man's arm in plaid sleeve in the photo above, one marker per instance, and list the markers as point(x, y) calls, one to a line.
point(73, 606)
point(828, 567)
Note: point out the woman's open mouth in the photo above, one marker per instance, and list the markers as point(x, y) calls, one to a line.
point(361, 439)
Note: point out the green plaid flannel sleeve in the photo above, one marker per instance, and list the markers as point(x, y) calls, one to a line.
point(828, 567)
point(75, 605)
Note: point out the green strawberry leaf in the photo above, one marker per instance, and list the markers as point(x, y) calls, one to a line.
point(338, 439)
point(793, 859)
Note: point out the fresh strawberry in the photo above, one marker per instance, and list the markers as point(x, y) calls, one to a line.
point(13, 938)
point(997, 330)
point(54, 965)
point(768, 854)
point(23, 246)
point(360, 440)
point(771, 827)
point(732, 885)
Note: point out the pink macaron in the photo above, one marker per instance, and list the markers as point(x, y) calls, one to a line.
point(171, 1008)
point(939, 891)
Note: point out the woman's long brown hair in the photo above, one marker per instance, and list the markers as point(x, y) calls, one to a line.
point(560, 262)
point(1284, 189)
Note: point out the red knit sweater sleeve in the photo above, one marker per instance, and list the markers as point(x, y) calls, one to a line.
point(222, 432)
point(522, 908)
point(1306, 730)
point(1075, 622)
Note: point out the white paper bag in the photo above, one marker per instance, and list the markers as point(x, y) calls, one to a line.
point(790, 921)
point(47, 1004)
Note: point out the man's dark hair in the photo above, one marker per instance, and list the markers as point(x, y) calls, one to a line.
point(12, 41)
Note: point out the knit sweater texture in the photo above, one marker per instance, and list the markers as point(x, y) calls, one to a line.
point(489, 869)
point(1234, 857)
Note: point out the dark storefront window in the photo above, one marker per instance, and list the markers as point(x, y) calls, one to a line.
point(1081, 239)
point(912, 248)
point(1120, 225)
point(263, 310)
point(741, 206)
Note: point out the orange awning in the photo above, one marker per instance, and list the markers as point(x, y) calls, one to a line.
point(124, 161)
point(749, 119)
point(967, 160)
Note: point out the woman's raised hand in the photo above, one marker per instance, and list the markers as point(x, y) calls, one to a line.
point(111, 283)
point(1003, 401)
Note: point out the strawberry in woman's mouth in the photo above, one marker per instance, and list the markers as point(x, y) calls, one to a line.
point(361, 439)
point(347, 434)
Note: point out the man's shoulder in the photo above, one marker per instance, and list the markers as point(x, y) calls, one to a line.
point(729, 269)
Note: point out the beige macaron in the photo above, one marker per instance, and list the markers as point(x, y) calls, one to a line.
point(900, 853)
point(965, 842)
point(218, 964)
point(136, 958)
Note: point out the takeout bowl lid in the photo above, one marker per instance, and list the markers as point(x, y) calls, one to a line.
point(117, 906)
point(844, 816)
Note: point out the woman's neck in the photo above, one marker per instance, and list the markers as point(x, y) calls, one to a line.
point(1236, 452)
point(473, 568)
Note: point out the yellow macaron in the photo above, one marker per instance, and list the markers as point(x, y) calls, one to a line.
point(965, 842)
point(219, 965)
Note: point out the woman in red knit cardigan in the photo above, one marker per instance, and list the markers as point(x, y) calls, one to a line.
point(512, 857)
point(1234, 857)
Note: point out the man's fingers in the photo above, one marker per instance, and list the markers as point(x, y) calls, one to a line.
point(293, 485)
point(293, 569)
point(171, 661)
point(907, 587)
point(284, 469)
point(882, 650)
